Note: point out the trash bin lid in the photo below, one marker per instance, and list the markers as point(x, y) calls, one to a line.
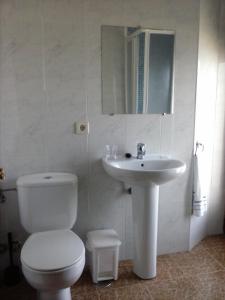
point(102, 238)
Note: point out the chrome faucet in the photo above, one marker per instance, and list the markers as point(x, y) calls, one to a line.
point(140, 150)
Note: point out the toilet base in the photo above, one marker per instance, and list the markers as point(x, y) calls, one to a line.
point(63, 294)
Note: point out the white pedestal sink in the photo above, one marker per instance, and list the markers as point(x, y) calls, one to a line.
point(144, 176)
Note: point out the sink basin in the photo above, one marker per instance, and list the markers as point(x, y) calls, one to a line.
point(151, 169)
point(145, 176)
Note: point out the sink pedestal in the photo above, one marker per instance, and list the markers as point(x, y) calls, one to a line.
point(145, 176)
point(145, 200)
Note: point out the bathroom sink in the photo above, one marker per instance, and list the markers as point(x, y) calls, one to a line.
point(150, 169)
point(144, 176)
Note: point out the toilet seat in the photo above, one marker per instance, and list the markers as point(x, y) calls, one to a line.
point(51, 251)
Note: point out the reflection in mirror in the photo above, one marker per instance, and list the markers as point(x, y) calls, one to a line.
point(137, 70)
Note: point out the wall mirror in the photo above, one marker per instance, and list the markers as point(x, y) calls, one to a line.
point(137, 67)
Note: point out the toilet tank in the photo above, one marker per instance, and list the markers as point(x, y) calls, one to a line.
point(47, 201)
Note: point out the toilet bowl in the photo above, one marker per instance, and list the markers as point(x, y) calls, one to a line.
point(53, 256)
point(52, 262)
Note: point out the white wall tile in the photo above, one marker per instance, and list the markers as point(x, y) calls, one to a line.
point(50, 77)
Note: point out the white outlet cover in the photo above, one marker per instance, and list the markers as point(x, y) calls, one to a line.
point(81, 127)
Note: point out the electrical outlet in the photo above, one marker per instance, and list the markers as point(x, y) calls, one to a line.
point(81, 127)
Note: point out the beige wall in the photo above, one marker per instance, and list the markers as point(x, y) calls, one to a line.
point(50, 76)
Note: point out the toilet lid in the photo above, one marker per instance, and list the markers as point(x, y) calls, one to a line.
point(52, 250)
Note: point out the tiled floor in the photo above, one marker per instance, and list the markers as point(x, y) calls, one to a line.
point(199, 274)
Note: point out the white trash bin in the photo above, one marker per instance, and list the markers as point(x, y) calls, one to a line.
point(103, 245)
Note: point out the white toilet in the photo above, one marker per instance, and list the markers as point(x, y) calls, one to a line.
point(53, 256)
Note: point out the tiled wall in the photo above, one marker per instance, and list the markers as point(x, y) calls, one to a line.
point(206, 101)
point(217, 195)
point(50, 76)
point(210, 115)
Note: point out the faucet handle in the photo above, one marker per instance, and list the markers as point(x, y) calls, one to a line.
point(2, 174)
